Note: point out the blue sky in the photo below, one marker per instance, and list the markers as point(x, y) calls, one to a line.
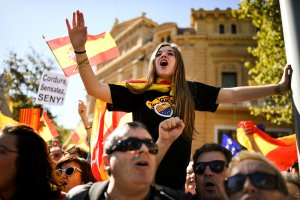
point(24, 22)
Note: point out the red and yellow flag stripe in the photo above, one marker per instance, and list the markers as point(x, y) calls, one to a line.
point(47, 130)
point(99, 48)
point(281, 151)
point(103, 124)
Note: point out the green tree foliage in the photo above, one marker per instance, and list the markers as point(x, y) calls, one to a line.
point(270, 54)
point(21, 80)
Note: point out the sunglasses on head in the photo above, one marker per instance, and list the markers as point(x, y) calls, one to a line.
point(216, 166)
point(259, 180)
point(68, 171)
point(134, 144)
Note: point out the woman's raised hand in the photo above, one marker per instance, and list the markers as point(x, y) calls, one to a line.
point(285, 82)
point(77, 32)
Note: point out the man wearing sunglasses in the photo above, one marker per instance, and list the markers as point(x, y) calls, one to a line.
point(210, 170)
point(251, 176)
point(131, 158)
point(210, 167)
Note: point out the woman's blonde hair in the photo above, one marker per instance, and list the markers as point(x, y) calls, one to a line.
point(183, 99)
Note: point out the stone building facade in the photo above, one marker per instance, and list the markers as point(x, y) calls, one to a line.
point(214, 50)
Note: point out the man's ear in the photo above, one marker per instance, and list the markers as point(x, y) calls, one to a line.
point(106, 162)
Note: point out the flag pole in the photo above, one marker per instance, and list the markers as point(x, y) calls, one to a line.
point(67, 141)
point(50, 49)
point(291, 31)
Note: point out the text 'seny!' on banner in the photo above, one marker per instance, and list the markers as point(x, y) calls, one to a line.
point(52, 89)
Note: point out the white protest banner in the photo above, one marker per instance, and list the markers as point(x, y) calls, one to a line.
point(52, 89)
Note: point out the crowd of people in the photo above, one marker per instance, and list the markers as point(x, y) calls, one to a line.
point(131, 159)
point(148, 158)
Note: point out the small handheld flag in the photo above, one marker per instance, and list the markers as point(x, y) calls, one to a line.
point(47, 129)
point(230, 144)
point(99, 48)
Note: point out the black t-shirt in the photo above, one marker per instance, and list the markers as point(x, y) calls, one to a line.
point(151, 108)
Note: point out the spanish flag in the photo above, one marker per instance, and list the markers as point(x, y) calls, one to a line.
point(6, 121)
point(281, 151)
point(160, 85)
point(79, 137)
point(104, 123)
point(99, 48)
point(30, 117)
point(47, 130)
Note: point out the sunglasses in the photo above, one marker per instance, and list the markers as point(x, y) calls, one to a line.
point(216, 166)
point(260, 180)
point(134, 144)
point(68, 171)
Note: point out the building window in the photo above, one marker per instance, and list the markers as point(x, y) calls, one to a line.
point(229, 79)
point(229, 132)
point(221, 29)
point(168, 39)
point(233, 28)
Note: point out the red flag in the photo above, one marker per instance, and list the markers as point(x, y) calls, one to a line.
point(30, 117)
point(99, 48)
point(282, 151)
point(47, 130)
point(103, 124)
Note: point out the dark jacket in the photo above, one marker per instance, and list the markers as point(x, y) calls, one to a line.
point(96, 191)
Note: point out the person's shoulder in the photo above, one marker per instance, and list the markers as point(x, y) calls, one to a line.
point(78, 192)
point(92, 190)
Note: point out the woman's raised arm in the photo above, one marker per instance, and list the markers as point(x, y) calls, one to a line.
point(247, 93)
point(78, 37)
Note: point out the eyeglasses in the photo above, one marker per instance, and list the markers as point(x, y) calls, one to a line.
point(68, 171)
point(4, 150)
point(216, 166)
point(260, 180)
point(133, 144)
